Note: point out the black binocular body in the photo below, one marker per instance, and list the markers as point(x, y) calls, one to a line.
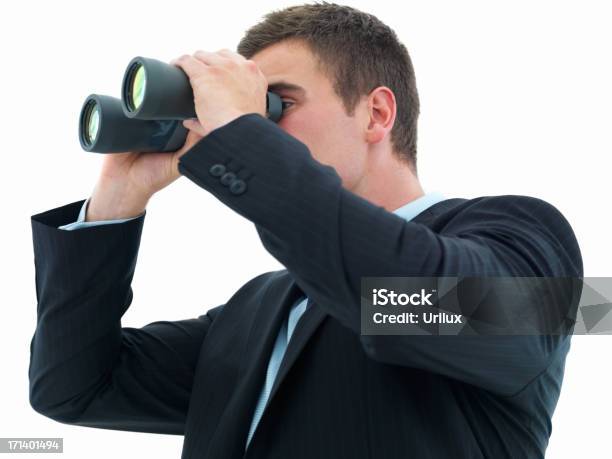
point(155, 98)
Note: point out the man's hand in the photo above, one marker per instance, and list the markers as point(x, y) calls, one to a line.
point(128, 180)
point(225, 86)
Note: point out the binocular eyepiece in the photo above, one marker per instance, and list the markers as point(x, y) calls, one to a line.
point(155, 98)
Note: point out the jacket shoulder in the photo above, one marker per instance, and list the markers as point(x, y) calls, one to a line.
point(520, 221)
point(508, 207)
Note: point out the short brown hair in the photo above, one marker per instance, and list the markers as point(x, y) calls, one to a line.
point(360, 53)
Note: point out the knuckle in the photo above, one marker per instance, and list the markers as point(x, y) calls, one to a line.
point(197, 80)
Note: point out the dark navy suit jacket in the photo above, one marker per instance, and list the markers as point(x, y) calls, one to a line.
point(338, 394)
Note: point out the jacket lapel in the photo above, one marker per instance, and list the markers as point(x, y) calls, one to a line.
point(231, 429)
point(305, 328)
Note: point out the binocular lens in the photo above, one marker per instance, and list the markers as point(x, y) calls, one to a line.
point(91, 122)
point(136, 86)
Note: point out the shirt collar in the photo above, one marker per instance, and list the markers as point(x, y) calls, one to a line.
point(414, 208)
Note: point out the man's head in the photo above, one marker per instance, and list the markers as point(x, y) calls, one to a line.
point(357, 99)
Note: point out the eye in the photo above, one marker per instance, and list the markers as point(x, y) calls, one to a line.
point(286, 104)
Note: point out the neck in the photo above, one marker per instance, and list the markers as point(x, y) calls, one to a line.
point(388, 182)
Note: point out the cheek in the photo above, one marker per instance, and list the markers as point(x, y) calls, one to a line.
point(306, 127)
point(333, 139)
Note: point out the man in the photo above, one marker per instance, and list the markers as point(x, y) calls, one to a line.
point(281, 370)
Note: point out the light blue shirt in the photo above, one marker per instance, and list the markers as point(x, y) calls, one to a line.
point(81, 223)
point(408, 212)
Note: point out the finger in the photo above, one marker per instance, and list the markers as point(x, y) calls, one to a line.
point(194, 126)
point(190, 65)
point(192, 138)
point(230, 54)
point(210, 58)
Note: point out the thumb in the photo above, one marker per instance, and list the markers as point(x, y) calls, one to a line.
point(194, 125)
point(192, 138)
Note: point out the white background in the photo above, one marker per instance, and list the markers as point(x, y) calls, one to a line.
point(515, 99)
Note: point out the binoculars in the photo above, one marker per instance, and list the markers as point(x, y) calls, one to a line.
point(155, 98)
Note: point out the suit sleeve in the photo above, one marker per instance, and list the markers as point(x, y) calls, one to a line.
point(85, 369)
point(329, 238)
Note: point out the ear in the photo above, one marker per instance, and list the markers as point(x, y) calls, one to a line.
point(381, 110)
